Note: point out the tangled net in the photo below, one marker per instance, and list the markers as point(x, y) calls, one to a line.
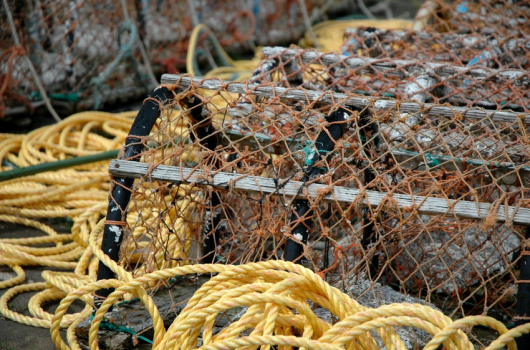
point(400, 164)
point(87, 53)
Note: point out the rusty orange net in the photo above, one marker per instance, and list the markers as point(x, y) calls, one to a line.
point(428, 199)
point(88, 53)
point(389, 168)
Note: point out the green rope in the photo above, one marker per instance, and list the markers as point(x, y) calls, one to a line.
point(72, 97)
point(61, 164)
point(109, 326)
point(433, 160)
point(125, 302)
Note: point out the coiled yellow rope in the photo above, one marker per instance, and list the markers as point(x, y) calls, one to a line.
point(229, 69)
point(80, 193)
point(275, 293)
point(64, 193)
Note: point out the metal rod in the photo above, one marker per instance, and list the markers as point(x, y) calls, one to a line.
point(369, 135)
point(122, 190)
point(202, 130)
point(301, 216)
point(522, 309)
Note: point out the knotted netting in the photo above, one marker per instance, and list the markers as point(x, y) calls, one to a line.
point(426, 198)
point(403, 161)
point(88, 53)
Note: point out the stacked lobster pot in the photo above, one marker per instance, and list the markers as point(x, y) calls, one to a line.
point(390, 164)
point(84, 54)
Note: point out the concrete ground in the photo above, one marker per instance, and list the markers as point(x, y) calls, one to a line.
point(13, 335)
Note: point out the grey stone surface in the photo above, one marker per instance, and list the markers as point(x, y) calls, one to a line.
point(135, 317)
point(119, 341)
point(373, 295)
point(455, 261)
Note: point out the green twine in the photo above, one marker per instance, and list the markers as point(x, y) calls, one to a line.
point(110, 326)
point(125, 302)
point(311, 155)
point(431, 160)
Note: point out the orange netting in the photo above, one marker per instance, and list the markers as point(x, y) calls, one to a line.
point(403, 162)
point(87, 53)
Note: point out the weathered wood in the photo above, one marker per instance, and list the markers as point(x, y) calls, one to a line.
point(295, 189)
point(415, 67)
point(311, 96)
point(451, 40)
point(503, 172)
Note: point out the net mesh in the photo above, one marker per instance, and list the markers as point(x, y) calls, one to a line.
point(402, 162)
point(87, 53)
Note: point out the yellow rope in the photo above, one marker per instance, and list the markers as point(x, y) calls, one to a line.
point(80, 193)
point(329, 34)
point(235, 70)
point(275, 293)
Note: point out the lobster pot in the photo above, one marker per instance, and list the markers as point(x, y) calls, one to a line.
point(88, 53)
point(429, 121)
point(482, 17)
point(424, 66)
point(462, 150)
point(427, 199)
point(84, 53)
